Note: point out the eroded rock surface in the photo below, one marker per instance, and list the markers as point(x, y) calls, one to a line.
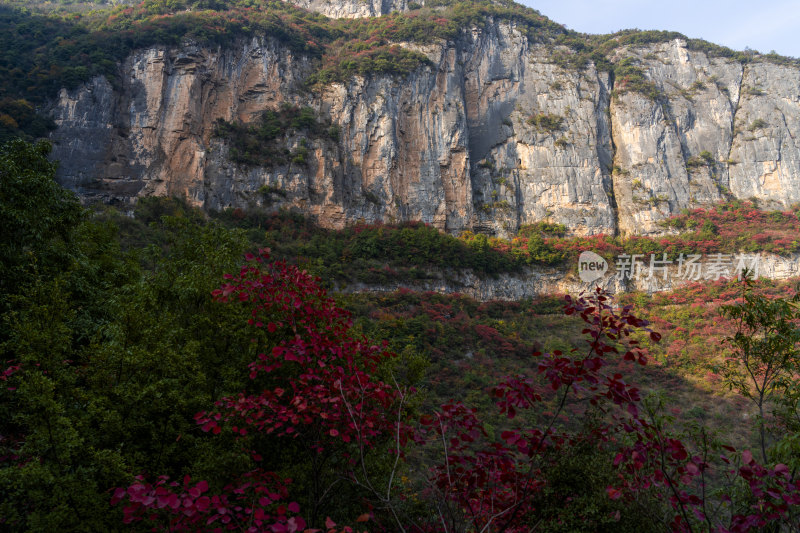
point(491, 135)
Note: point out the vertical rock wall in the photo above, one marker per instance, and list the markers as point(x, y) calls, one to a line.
point(490, 136)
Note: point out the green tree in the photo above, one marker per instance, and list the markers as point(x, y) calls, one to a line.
point(112, 369)
point(106, 355)
point(36, 216)
point(766, 349)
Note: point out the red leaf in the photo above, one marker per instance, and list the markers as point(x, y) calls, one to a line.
point(747, 457)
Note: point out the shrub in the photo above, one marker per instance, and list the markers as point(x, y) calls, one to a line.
point(629, 77)
point(259, 144)
point(705, 158)
point(546, 122)
point(269, 190)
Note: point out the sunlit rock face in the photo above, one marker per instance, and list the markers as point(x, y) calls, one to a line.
point(352, 8)
point(491, 135)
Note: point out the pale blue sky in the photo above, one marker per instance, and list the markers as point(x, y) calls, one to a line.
point(763, 25)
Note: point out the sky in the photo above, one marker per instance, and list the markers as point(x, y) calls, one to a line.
point(762, 25)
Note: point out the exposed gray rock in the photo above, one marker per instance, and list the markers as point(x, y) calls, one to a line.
point(533, 282)
point(655, 139)
point(765, 154)
point(352, 8)
point(490, 136)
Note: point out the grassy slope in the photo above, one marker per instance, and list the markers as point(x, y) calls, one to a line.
point(378, 253)
point(470, 345)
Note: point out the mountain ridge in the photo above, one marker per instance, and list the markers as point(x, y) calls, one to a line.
point(468, 116)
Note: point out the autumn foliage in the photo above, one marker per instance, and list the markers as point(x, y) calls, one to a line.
point(318, 385)
point(265, 408)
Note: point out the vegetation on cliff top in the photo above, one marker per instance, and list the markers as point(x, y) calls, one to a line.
point(732, 227)
point(45, 52)
point(380, 253)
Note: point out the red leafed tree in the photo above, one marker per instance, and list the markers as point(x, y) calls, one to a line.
point(499, 484)
point(488, 484)
point(322, 383)
point(315, 389)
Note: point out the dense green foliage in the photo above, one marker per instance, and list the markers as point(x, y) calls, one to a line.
point(111, 353)
point(35, 217)
point(18, 118)
point(368, 253)
point(257, 144)
point(381, 253)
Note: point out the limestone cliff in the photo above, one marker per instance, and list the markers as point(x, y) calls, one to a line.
point(744, 118)
point(353, 8)
point(491, 134)
point(541, 281)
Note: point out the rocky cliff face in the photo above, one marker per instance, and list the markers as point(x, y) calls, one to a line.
point(354, 8)
point(533, 282)
point(744, 118)
point(491, 135)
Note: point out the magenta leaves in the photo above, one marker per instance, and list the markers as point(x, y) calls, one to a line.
point(331, 392)
point(255, 502)
point(318, 385)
